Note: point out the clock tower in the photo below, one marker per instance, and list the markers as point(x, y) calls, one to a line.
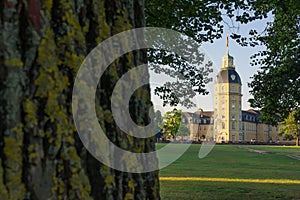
point(227, 102)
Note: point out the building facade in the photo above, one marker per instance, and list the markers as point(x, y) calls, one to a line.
point(228, 122)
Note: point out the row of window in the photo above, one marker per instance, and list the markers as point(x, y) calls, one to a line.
point(250, 118)
point(199, 121)
point(233, 88)
point(233, 104)
point(204, 128)
point(241, 126)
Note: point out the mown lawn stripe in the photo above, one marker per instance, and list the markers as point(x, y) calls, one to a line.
point(242, 180)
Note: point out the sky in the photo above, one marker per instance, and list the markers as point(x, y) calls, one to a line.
point(215, 51)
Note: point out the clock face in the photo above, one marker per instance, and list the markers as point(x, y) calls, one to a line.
point(232, 77)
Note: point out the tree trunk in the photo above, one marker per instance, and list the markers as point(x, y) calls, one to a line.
point(297, 140)
point(42, 46)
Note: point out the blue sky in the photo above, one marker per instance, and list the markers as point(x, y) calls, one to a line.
point(215, 51)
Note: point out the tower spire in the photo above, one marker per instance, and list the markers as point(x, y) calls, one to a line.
point(227, 44)
point(227, 59)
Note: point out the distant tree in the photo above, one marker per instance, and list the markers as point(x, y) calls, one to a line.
point(291, 128)
point(171, 123)
point(183, 131)
point(158, 121)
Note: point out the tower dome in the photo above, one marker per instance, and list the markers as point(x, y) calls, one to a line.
point(227, 73)
point(228, 76)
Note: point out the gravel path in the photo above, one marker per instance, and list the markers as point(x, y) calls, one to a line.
point(297, 157)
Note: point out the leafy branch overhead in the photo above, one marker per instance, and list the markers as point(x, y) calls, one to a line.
point(275, 87)
point(204, 22)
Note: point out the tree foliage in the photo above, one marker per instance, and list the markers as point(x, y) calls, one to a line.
point(171, 123)
point(183, 130)
point(275, 87)
point(290, 127)
point(201, 20)
point(157, 121)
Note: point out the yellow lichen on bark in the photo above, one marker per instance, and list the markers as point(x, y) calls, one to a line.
point(15, 62)
point(3, 190)
point(13, 166)
point(30, 109)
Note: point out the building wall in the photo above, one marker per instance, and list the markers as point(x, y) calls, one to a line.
point(197, 132)
point(250, 132)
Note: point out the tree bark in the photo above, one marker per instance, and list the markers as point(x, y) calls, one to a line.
point(42, 46)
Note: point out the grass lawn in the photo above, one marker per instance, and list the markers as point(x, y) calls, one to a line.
point(219, 171)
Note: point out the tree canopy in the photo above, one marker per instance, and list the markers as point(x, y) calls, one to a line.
point(275, 87)
point(290, 128)
point(171, 123)
point(157, 121)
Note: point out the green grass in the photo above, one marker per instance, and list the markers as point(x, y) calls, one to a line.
point(231, 161)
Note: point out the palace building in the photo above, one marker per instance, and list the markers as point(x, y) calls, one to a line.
point(228, 122)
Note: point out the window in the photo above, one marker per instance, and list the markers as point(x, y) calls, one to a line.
point(233, 117)
point(266, 128)
point(233, 125)
point(222, 88)
point(233, 88)
point(233, 138)
point(233, 103)
point(223, 125)
point(241, 137)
